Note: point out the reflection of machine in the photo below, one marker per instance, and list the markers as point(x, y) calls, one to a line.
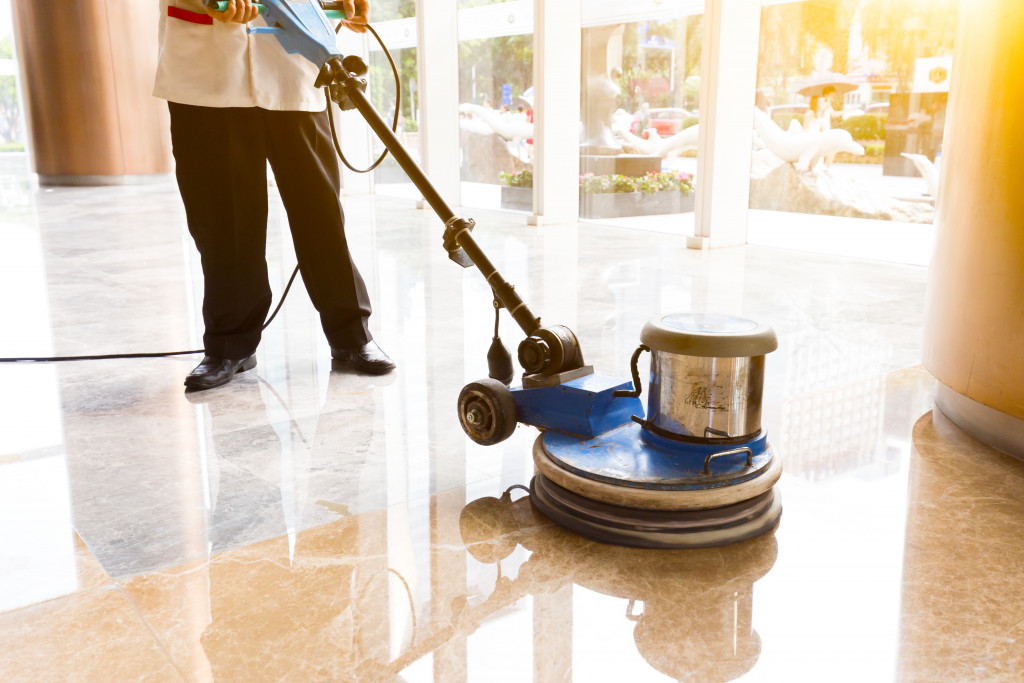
point(699, 472)
point(697, 613)
point(693, 611)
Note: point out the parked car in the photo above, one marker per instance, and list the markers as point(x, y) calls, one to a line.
point(667, 121)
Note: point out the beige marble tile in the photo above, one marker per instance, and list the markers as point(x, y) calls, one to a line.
point(282, 609)
point(351, 601)
point(472, 584)
point(963, 577)
point(91, 636)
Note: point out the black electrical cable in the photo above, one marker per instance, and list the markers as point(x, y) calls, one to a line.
point(394, 122)
point(284, 295)
point(159, 354)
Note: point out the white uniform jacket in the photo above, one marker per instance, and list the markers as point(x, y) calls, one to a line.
point(209, 63)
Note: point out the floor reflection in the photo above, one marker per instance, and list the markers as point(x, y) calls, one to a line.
point(331, 600)
point(692, 610)
point(962, 615)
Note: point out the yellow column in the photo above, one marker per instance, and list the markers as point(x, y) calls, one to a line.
point(88, 68)
point(974, 340)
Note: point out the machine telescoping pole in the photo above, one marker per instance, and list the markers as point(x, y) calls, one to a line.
point(505, 292)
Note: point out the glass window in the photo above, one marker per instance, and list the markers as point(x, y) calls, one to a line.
point(496, 104)
point(12, 126)
point(395, 21)
point(851, 99)
point(640, 110)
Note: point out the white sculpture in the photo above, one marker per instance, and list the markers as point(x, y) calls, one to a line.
point(927, 170)
point(505, 125)
point(475, 126)
point(621, 120)
point(805, 150)
point(657, 146)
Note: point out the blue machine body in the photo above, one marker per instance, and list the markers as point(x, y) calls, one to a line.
point(302, 28)
point(584, 407)
point(591, 433)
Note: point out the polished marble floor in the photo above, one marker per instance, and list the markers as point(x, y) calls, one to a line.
point(304, 523)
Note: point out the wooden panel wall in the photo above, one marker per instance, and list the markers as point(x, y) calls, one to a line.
point(87, 69)
point(975, 320)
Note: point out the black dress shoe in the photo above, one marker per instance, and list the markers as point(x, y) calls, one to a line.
point(367, 358)
point(213, 372)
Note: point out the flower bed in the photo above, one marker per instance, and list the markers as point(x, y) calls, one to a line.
point(612, 196)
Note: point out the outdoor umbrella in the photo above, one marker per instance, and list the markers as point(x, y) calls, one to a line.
point(816, 84)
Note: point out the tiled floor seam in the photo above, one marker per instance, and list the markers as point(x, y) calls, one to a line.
point(151, 630)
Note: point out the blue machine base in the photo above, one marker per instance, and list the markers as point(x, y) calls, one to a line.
point(586, 406)
point(630, 456)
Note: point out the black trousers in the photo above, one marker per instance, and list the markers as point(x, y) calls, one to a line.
point(221, 157)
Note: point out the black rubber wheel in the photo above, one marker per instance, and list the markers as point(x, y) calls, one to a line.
point(487, 411)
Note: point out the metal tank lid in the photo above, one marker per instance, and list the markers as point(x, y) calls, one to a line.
point(709, 334)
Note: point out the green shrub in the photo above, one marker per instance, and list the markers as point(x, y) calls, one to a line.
point(664, 181)
point(12, 147)
point(689, 121)
point(864, 127)
point(411, 126)
point(874, 149)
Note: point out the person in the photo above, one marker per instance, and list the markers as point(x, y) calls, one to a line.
point(814, 122)
point(236, 101)
point(828, 95)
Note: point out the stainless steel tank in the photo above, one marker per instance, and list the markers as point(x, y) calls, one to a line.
point(707, 374)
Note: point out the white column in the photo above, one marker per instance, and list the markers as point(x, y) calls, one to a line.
point(557, 44)
point(727, 84)
point(437, 56)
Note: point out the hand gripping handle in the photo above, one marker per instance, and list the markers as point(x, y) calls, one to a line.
point(222, 5)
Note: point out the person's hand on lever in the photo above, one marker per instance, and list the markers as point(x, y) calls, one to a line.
point(358, 13)
point(238, 11)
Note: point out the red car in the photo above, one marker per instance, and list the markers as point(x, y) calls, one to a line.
point(667, 121)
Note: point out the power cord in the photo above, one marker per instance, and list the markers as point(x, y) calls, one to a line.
point(394, 122)
point(284, 295)
point(161, 354)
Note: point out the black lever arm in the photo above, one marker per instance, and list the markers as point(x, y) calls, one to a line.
point(457, 229)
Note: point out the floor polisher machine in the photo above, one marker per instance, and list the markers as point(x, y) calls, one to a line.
point(694, 470)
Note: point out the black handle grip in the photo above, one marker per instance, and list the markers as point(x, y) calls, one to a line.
point(637, 388)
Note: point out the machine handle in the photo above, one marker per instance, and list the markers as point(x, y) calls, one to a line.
point(734, 451)
point(637, 388)
point(222, 5)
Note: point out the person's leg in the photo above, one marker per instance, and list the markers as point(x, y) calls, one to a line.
point(306, 168)
point(220, 156)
